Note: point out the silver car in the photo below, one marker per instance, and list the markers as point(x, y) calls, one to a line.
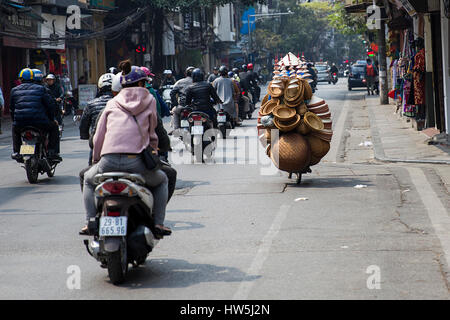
point(322, 73)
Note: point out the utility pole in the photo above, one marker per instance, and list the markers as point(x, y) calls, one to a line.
point(381, 35)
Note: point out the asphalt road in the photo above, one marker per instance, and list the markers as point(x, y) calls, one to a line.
point(241, 230)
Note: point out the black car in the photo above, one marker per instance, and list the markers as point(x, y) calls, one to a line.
point(356, 78)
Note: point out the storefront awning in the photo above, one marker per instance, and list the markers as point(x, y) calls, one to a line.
point(26, 11)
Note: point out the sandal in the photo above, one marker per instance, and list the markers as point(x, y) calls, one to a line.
point(164, 231)
point(84, 231)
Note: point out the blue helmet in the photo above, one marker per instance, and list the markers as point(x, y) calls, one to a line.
point(26, 74)
point(38, 75)
point(136, 75)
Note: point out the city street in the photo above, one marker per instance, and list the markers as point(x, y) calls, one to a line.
point(355, 228)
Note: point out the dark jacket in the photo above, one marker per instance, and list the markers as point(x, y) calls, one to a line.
point(30, 104)
point(56, 91)
point(200, 94)
point(90, 114)
point(180, 90)
point(247, 81)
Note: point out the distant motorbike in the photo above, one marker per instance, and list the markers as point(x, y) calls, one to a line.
point(34, 154)
point(69, 104)
point(166, 90)
point(225, 123)
point(124, 229)
point(334, 78)
point(199, 124)
point(252, 106)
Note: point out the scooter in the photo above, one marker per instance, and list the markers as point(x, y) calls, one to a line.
point(34, 154)
point(225, 123)
point(334, 78)
point(124, 228)
point(166, 90)
point(199, 124)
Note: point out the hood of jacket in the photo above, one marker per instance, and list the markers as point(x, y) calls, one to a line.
point(134, 100)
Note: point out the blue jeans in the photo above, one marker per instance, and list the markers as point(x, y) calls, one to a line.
point(157, 180)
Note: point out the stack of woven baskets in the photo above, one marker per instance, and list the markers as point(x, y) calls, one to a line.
point(303, 120)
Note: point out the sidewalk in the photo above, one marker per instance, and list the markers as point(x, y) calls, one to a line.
point(6, 129)
point(394, 140)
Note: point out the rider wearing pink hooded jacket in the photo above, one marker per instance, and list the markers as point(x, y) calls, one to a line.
point(119, 140)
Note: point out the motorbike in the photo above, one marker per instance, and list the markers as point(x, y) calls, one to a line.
point(252, 107)
point(123, 229)
point(166, 95)
point(224, 122)
point(199, 124)
point(69, 104)
point(34, 154)
point(334, 78)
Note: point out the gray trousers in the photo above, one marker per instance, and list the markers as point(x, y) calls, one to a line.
point(176, 117)
point(156, 179)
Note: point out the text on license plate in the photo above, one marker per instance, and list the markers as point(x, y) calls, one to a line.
point(113, 226)
point(184, 123)
point(197, 130)
point(221, 118)
point(27, 149)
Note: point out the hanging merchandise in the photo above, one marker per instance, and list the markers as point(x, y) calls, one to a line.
point(302, 119)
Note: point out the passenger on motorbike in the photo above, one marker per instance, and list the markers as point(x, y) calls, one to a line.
point(32, 106)
point(128, 119)
point(334, 70)
point(225, 89)
point(169, 80)
point(203, 96)
point(57, 93)
point(179, 102)
point(161, 106)
point(254, 79)
point(94, 108)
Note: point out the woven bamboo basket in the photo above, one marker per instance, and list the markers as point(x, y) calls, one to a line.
point(291, 153)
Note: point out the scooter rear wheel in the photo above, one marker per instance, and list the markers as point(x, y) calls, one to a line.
point(118, 265)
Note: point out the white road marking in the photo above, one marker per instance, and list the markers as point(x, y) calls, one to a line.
point(262, 254)
point(439, 216)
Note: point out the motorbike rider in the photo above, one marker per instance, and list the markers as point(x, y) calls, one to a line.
point(57, 93)
point(213, 76)
point(94, 108)
point(169, 79)
point(334, 70)
point(113, 70)
point(242, 101)
point(246, 84)
point(179, 89)
point(254, 79)
point(236, 75)
point(202, 95)
point(161, 106)
point(32, 106)
point(226, 91)
point(118, 142)
point(313, 74)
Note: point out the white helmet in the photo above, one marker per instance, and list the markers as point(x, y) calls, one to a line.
point(116, 85)
point(105, 80)
point(167, 72)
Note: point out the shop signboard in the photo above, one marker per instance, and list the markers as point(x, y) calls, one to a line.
point(103, 4)
point(86, 92)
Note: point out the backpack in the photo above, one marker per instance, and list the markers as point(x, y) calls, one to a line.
point(370, 71)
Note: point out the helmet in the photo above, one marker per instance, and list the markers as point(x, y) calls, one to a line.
point(38, 75)
point(223, 70)
point(136, 74)
point(215, 68)
point(26, 74)
point(244, 67)
point(167, 72)
point(188, 71)
point(250, 66)
point(147, 72)
point(230, 74)
point(105, 80)
point(113, 70)
point(116, 86)
point(197, 75)
point(51, 77)
point(236, 70)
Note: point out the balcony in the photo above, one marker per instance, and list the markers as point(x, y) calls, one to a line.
point(356, 6)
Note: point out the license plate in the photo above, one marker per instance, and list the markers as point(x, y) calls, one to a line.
point(113, 226)
point(197, 130)
point(27, 149)
point(221, 118)
point(184, 123)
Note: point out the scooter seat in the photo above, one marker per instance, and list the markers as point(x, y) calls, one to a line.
point(133, 177)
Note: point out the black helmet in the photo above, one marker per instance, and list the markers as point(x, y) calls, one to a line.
point(244, 67)
point(113, 70)
point(223, 70)
point(197, 75)
point(188, 71)
point(235, 70)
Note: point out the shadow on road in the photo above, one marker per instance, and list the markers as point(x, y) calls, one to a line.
point(334, 182)
point(177, 273)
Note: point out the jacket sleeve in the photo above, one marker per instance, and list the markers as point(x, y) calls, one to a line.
point(153, 124)
point(188, 96)
point(163, 137)
point(85, 123)
point(49, 104)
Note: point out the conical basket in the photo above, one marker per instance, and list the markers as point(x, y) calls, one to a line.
point(291, 153)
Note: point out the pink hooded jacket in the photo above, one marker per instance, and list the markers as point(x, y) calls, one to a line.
point(117, 131)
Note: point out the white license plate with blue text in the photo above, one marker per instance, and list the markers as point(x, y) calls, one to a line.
point(221, 118)
point(197, 130)
point(184, 123)
point(113, 226)
point(27, 149)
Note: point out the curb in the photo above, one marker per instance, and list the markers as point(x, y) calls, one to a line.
point(379, 151)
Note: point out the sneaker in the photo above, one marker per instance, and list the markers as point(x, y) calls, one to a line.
point(16, 156)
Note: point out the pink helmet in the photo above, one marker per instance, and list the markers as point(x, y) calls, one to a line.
point(147, 72)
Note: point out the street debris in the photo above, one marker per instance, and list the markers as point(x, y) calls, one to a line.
point(360, 186)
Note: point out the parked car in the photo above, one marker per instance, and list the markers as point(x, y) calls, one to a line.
point(356, 78)
point(322, 73)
